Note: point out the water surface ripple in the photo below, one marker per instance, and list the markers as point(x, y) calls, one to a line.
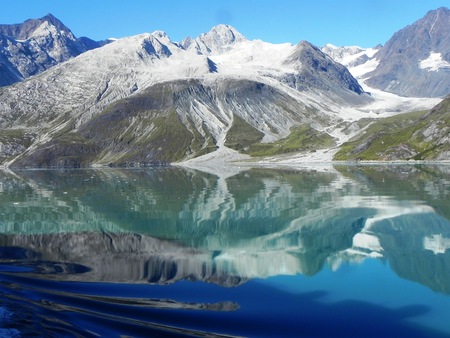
point(335, 251)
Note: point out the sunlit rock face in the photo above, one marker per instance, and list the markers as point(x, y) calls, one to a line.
point(220, 39)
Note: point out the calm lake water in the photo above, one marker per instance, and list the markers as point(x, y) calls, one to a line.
point(349, 251)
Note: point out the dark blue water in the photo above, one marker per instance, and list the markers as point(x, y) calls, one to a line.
point(347, 252)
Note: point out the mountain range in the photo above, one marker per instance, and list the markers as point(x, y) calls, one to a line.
point(147, 100)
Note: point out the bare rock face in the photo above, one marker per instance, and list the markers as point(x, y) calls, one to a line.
point(31, 47)
point(219, 39)
point(416, 60)
point(316, 69)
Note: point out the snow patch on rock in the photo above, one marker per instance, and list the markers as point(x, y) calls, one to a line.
point(434, 63)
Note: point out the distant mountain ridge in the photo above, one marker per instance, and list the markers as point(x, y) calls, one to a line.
point(414, 62)
point(26, 30)
point(36, 45)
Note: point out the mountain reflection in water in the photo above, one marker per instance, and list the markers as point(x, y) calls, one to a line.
point(165, 227)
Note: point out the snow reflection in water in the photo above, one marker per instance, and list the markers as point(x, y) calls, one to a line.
point(181, 252)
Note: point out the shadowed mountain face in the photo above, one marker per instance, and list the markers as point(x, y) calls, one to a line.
point(416, 60)
point(317, 69)
point(113, 257)
point(36, 45)
point(27, 30)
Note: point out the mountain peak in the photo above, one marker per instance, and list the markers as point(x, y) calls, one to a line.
point(436, 18)
point(440, 10)
point(36, 45)
point(162, 36)
point(25, 30)
point(50, 18)
point(318, 70)
point(404, 58)
point(219, 39)
point(226, 34)
point(159, 33)
point(225, 29)
point(306, 44)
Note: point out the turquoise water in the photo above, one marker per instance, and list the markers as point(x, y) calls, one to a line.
point(345, 251)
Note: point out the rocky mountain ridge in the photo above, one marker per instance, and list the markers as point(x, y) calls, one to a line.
point(146, 100)
point(414, 62)
point(36, 45)
point(151, 94)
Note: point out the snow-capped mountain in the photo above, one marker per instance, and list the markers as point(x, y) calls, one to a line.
point(146, 99)
point(358, 60)
point(415, 62)
point(349, 56)
point(219, 39)
point(94, 108)
point(31, 47)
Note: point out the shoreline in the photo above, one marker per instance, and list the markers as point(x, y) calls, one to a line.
point(238, 163)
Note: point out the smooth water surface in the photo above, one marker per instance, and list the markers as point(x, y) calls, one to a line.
point(349, 251)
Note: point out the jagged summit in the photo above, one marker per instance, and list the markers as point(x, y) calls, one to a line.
point(219, 39)
point(50, 18)
point(227, 33)
point(25, 30)
point(36, 45)
point(160, 34)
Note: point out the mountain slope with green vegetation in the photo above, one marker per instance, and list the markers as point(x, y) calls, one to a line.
point(412, 136)
point(302, 138)
point(171, 122)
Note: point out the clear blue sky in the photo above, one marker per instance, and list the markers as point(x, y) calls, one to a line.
point(342, 22)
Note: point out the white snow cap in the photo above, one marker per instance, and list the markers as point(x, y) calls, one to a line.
point(217, 40)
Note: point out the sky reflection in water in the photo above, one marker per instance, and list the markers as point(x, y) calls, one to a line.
point(339, 251)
